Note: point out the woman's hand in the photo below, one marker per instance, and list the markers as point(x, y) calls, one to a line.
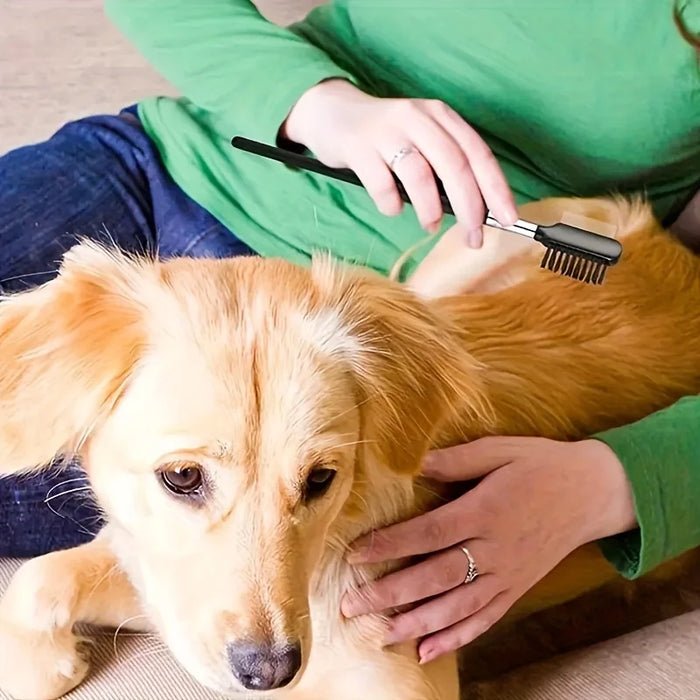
point(538, 501)
point(345, 127)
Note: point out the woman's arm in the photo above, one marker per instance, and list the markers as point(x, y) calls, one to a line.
point(661, 456)
point(225, 57)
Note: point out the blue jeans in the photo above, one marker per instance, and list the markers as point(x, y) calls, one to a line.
point(100, 178)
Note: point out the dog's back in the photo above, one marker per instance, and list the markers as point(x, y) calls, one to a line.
point(565, 360)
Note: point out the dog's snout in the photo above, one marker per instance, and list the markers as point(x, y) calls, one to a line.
point(264, 666)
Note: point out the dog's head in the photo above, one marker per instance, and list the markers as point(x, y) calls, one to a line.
point(234, 417)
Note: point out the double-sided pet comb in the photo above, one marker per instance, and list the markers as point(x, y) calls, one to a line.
point(571, 251)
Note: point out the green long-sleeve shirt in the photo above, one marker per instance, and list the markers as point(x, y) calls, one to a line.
point(574, 98)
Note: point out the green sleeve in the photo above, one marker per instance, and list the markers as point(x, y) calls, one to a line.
point(661, 455)
point(224, 56)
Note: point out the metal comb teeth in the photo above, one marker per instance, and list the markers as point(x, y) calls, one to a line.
point(574, 266)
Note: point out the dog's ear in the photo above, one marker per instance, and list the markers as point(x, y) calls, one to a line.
point(66, 350)
point(413, 375)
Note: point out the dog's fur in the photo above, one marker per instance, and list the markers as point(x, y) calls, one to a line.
point(259, 370)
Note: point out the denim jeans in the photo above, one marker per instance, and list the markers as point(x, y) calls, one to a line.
point(99, 178)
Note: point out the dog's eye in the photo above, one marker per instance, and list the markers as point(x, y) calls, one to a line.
point(318, 481)
point(183, 480)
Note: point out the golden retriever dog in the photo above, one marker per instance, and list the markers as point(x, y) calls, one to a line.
point(242, 421)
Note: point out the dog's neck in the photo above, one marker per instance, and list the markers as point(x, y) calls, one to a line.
point(389, 498)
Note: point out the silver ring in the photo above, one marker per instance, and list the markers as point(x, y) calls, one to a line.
point(401, 154)
point(472, 571)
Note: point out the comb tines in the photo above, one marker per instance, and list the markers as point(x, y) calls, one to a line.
point(573, 259)
point(558, 261)
point(552, 259)
point(584, 270)
point(598, 274)
point(576, 252)
point(546, 258)
point(572, 265)
point(565, 264)
point(591, 269)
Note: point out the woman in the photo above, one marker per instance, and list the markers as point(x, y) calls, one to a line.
point(544, 99)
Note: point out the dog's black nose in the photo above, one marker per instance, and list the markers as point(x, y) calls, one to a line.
point(264, 666)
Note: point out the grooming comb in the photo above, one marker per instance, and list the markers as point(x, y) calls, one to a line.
point(570, 250)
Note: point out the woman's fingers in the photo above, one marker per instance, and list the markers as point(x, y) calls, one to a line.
point(452, 166)
point(377, 179)
point(413, 169)
point(465, 631)
point(445, 611)
point(431, 532)
point(473, 460)
point(444, 144)
point(483, 164)
point(346, 127)
point(437, 574)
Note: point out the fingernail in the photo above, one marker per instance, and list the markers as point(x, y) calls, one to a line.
point(358, 550)
point(348, 607)
point(507, 217)
point(357, 555)
point(474, 238)
point(427, 655)
point(431, 464)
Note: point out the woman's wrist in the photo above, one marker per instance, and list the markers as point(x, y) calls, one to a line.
point(606, 492)
point(306, 108)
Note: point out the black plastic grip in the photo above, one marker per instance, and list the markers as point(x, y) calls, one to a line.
point(576, 240)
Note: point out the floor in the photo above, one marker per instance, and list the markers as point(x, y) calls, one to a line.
point(61, 59)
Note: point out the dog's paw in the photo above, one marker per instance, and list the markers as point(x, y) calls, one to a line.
point(37, 665)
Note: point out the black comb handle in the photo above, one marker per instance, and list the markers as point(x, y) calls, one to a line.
point(298, 160)
point(573, 252)
point(574, 240)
